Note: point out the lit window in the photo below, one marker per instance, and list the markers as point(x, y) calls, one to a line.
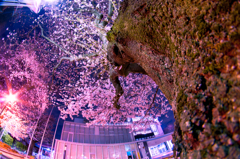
point(170, 145)
point(158, 149)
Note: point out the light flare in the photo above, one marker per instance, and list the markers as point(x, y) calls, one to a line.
point(11, 97)
point(34, 5)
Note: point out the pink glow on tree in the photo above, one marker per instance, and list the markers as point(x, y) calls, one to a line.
point(84, 70)
point(27, 77)
point(71, 43)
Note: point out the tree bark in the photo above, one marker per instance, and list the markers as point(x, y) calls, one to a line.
point(191, 50)
point(31, 147)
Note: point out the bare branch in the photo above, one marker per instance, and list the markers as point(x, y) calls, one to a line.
point(152, 102)
point(67, 52)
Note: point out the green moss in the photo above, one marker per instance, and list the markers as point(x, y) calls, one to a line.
point(192, 105)
point(149, 29)
point(224, 47)
point(235, 15)
point(198, 96)
point(206, 70)
point(183, 62)
point(207, 59)
point(210, 58)
point(185, 32)
point(213, 68)
point(177, 63)
point(181, 100)
point(180, 41)
point(202, 26)
point(193, 56)
point(224, 6)
point(173, 49)
point(217, 28)
point(235, 38)
point(189, 51)
point(230, 82)
point(203, 153)
point(110, 36)
point(193, 33)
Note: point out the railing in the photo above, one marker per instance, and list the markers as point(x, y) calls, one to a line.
point(123, 143)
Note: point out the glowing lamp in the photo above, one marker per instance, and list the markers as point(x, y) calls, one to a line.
point(11, 98)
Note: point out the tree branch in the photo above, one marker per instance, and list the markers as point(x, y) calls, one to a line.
point(152, 102)
point(67, 52)
point(124, 71)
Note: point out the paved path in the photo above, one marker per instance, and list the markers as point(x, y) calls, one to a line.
point(10, 155)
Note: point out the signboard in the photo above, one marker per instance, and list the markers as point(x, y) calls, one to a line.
point(161, 148)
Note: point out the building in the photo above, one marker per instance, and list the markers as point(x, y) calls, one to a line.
point(78, 141)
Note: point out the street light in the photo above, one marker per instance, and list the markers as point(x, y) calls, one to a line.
point(9, 99)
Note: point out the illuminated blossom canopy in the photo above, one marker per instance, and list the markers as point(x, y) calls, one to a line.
point(67, 52)
point(24, 89)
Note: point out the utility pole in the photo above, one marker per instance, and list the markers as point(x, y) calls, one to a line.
point(39, 151)
point(32, 135)
point(54, 135)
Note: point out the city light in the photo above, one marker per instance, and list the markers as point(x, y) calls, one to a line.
point(11, 98)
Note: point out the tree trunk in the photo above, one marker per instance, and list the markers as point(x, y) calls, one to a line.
point(31, 147)
point(191, 49)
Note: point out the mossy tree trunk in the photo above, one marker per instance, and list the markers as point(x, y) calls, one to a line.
point(191, 49)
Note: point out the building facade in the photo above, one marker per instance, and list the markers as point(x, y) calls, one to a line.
point(79, 141)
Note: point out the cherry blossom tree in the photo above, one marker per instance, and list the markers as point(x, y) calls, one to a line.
point(25, 76)
point(70, 41)
point(89, 81)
